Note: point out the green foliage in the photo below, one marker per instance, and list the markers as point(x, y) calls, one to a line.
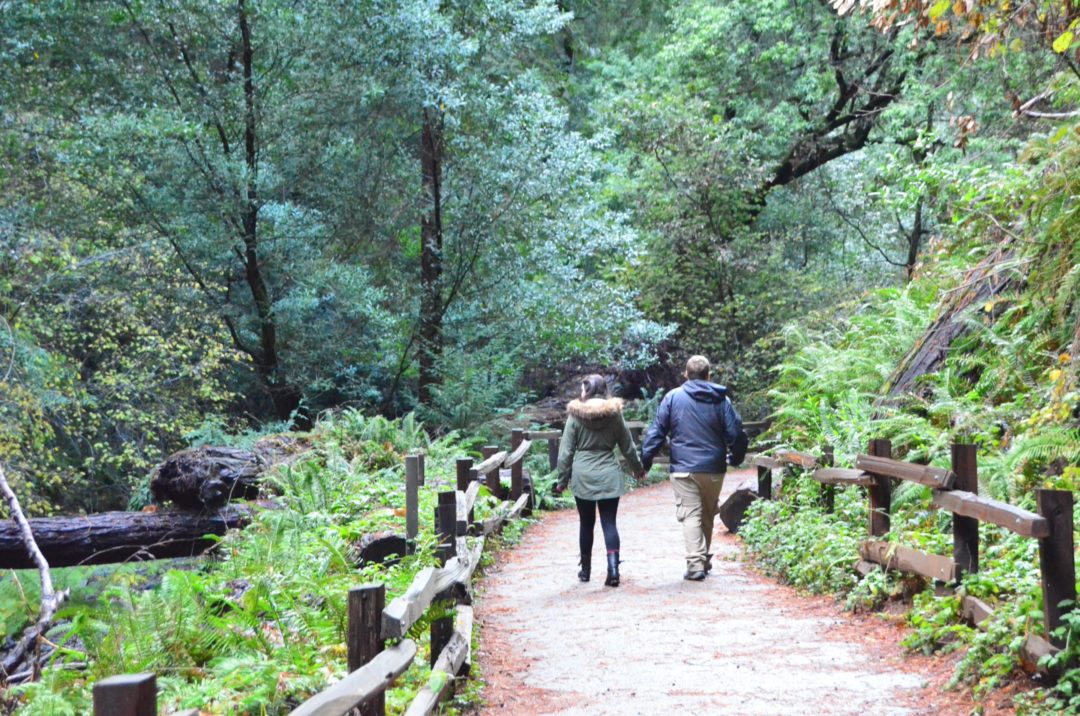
point(260, 625)
point(801, 544)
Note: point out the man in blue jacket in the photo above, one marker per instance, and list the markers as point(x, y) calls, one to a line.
point(701, 422)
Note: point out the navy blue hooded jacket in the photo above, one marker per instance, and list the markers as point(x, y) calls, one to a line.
point(701, 422)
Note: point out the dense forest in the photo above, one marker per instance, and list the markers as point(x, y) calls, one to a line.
point(221, 220)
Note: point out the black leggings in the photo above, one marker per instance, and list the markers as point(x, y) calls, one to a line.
point(587, 512)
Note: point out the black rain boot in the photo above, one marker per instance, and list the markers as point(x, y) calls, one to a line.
point(612, 569)
point(586, 567)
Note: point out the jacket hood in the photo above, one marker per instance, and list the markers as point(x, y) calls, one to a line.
point(595, 408)
point(705, 392)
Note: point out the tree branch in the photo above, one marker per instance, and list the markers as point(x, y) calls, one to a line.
point(50, 598)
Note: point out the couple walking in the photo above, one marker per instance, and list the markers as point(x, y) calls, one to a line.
point(701, 423)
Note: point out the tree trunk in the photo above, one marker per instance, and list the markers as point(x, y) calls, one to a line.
point(981, 284)
point(110, 537)
point(431, 256)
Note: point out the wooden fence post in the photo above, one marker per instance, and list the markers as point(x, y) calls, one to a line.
point(517, 436)
point(412, 497)
point(828, 492)
point(364, 637)
point(441, 631)
point(553, 453)
point(764, 482)
point(126, 695)
point(1056, 560)
point(446, 525)
point(423, 467)
point(462, 467)
point(965, 529)
point(492, 479)
point(880, 492)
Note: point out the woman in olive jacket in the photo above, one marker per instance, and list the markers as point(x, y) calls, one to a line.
point(594, 428)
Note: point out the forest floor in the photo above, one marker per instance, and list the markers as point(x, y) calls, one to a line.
point(737, 643)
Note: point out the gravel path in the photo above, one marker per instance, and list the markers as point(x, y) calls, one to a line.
point(734, 644)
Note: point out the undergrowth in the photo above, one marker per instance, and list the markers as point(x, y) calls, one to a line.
point(259, 626)
point(1007, 385)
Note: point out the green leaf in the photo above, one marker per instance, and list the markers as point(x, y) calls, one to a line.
point(1063, 41)
point(938, 9)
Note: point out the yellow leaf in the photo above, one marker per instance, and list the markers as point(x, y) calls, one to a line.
point(989, 306)
point(1055, 374)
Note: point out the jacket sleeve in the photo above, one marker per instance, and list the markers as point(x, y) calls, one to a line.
point(567, 448)
point(628, 448)
point(732, 421)
point(657, 433)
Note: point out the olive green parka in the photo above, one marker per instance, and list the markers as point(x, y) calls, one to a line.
point(594, 428)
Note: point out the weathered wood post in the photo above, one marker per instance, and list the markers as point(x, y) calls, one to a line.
point(764, 482)
point(492, 480)
point(364, 638)
point(423, 467)
point(441, 631)
point(553, 453)
point(828, 492)
point(126, 695)
point(965, 529)
point(1056, 559)
point(412, 498)
point(880, 492)
point(446, 525)
point(517, 436)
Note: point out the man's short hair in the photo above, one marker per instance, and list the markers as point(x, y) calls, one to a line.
point(697, 368)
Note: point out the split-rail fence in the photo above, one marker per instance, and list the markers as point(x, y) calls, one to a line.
point(955, 490)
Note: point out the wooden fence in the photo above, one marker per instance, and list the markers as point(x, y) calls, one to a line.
point(957, 491)
point(378, 650)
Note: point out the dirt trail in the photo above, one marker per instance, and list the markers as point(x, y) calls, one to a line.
point(736, 643)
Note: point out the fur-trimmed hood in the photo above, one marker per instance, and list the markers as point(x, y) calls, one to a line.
point(595, 409)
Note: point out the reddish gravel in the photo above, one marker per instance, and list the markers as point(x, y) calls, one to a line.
point(737, 643)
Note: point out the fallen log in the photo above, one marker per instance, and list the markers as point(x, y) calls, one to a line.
point(208, 477)
point(110, 537)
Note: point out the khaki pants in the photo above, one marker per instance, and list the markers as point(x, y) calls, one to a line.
point(696, 494)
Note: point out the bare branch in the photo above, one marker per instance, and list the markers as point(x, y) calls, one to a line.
point(50, 598)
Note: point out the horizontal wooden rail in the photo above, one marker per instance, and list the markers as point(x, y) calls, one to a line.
point(504, 513)
point(519, 454)
point(446, 668)
point(405, 610)
point(995, 512)
point(470, 499)
point(362, 685)
point(802, 459)
point(426, 587)
point(463, 624)
point(769, 463)
point(975, 610)
point(905, 559)
point(842, 476)
point(492, 464)
point(923, 474)
point(543, 434)
point(1034, 647)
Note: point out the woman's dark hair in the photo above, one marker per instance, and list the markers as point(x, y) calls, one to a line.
point(594, 386)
